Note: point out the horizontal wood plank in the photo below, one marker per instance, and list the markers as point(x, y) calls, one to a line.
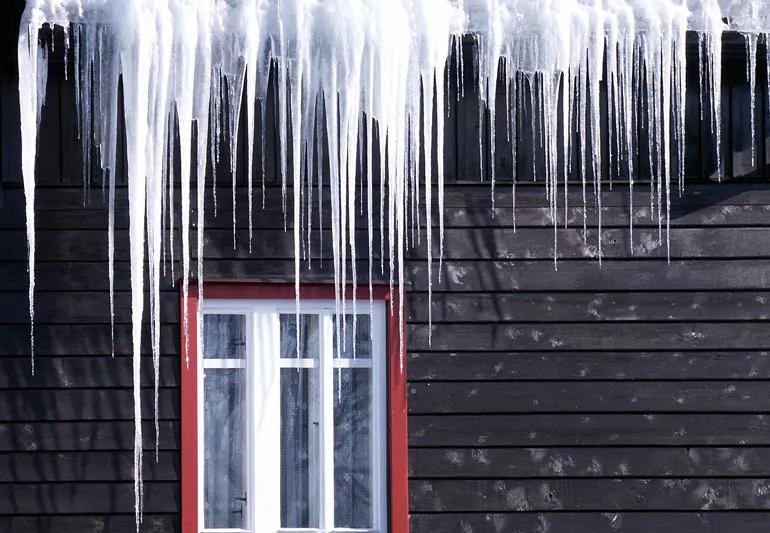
point(57, 210)
point(100, 371)
point(590, 430)
point(590, 306)
point(114, 523)
point(589, 495)
point(675, 462)
point(92, 307)
point(86, 498)
point(84, 436)
point(595, 336)
point(552, 365)
point(593, 522)
point(632, 275)
point(459, 276)
point(94, 216)
point(538, 243)
point(43, 467)
point(456, 195)
point(575, 397)
point(86, 307)
point(82, 339)
point(459, 244)
point(682, 215)
point(84, 404)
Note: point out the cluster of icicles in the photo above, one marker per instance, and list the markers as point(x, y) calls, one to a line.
point(344, 68)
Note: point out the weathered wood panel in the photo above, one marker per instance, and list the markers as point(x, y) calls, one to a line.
point(594, 336)
point(613, 462)
point(589, 495)
point(571, 365)
point(466, 206)
point(84, 436)
point(587, 396)
point(591, 306)
point(86, 498)
point(84, 404)
point(81, 308)
point(153, 523)
point(610, 522)
point(460, 244)
point(51, 467)
point(86, 307)
point(96, 371)
point(456, 276)
point(555, 429)
point(81, 339)
point(622, 275)
point(94, 215)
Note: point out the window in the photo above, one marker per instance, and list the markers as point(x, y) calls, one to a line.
point(297, 425)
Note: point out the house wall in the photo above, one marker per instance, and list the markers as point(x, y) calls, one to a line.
point(631, 397)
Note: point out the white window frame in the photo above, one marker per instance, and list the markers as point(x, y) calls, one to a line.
point(262, 424)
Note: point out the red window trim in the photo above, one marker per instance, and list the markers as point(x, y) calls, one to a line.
point(398, 489)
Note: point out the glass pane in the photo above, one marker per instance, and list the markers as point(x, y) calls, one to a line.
point(352, 448)
point(363, 332)
point(224, 483)
point(224, 336)
point(300, 447)
point(308, 336)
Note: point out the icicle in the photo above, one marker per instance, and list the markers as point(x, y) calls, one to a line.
point(369, 131)
point(164, 214)
point(767, 58)
point(83, 89)
point(295, 73)
point(751, 76)
point(185, 24)
point(171, 201)
point(77, 68)
point(109, 134)
point(33, 77)
point(628, 111)
point(201, 109)
point(749, 18)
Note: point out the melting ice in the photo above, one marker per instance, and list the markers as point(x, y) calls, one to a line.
point(366, 77)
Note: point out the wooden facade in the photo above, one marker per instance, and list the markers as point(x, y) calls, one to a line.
point(629, 398)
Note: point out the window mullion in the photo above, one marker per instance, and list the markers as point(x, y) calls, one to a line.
point(265, 418)
point(249, 426)
point(379, 416)
point(327, 422)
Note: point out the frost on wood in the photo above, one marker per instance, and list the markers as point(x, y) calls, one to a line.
point(359, 84)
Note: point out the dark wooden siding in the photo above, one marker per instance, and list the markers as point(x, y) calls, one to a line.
point(628, 398)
